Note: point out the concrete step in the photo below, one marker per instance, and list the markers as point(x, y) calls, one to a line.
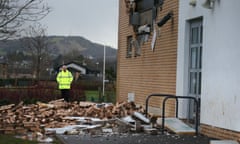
point(177, 126)
point(223, 142)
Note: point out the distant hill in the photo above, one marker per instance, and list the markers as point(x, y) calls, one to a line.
point(60, 45)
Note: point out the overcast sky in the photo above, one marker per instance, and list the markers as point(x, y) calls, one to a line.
point(96, 20)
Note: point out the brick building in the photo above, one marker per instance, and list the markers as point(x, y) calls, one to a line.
point(184, 48)
point(147, 53)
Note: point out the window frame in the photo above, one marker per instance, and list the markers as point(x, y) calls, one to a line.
point(129, 48)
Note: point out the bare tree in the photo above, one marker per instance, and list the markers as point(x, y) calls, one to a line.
point(15, 13)
point(37, 42)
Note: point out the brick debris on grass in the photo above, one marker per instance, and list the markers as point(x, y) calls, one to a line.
point(42, 119)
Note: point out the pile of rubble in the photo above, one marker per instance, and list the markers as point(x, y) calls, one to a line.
point(72, 118)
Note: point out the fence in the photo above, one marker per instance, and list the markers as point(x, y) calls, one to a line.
point(44, 92)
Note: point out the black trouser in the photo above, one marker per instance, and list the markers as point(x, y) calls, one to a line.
point(65, 94)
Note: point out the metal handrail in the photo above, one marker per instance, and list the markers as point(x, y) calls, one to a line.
point(157, 95)
point(168, 96)
point(176, 98)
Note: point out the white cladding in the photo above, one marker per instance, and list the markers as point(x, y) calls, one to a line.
point(220, 94)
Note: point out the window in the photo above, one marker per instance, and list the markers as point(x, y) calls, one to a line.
point(146, 17)
point(144, 13)
point(195, 63)
point(138, 43)
point(143, 5)
point(129, 46)
point(195, 59)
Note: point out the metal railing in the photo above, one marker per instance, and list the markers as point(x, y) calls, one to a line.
point(169, 96)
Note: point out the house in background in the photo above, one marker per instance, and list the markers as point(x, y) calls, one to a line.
point(184, 48)
point(80, 71)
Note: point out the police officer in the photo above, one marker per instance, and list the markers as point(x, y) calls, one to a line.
point(64, 80)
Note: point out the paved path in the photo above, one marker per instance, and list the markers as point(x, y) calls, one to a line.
point(133, 139)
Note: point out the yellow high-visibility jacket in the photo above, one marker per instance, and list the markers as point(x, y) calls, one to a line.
point(64, 79)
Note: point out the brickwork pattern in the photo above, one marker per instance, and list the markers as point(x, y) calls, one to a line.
point(153, 71)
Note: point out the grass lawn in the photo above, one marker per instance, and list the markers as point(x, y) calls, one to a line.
point(94, 96)
point(10, 139)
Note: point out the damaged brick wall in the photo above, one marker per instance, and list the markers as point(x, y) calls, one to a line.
point(153, 71)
